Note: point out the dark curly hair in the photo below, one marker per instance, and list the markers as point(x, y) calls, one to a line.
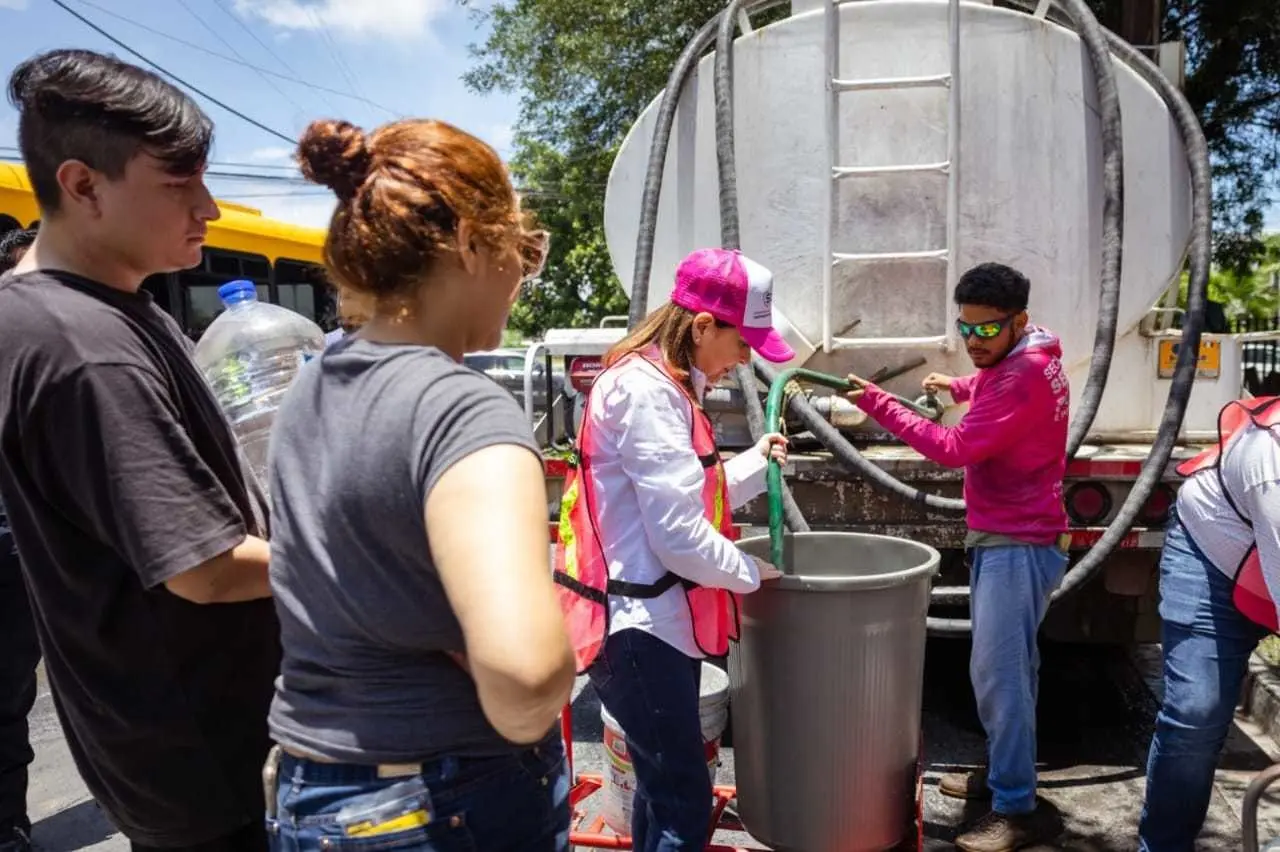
point(994, 285)
point(11, 242)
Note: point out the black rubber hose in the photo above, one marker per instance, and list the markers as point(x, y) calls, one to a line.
point(640, 288)
point(726, 155)
point(847, 454)
point(730, 236)
point(648, 227)
point(1193, 321)
point(1153, 468)
point(1104, 340)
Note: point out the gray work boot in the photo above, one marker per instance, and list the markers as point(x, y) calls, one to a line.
point(997, 832)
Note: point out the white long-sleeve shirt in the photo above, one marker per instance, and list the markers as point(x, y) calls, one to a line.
point(648, 485)
point(1251, 472)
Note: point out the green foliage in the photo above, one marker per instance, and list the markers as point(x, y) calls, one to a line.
point(1251, 292)
point(585, 69)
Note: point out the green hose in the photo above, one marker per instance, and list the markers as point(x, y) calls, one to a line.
point(773, 423)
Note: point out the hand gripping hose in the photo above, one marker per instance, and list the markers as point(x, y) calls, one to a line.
point(773, 417)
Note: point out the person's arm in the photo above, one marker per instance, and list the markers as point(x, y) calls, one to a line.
point(651, 420)
point(745, 472)
point(995, 421)
point(111, 451)
point(486, 517)
point(961, 388)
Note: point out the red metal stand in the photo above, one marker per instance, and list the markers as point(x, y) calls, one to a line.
point(594, 834)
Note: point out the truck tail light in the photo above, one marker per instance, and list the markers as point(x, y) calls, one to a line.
point(583, 371)
point(1155, 512)
point(1088, 503)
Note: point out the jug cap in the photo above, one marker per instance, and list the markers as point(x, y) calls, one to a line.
point(234, 292)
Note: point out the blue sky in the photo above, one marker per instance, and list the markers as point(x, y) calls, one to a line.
point(406, 56)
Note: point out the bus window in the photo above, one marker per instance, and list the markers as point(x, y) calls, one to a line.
point(298, 297)
point(199, 286)
point(304, 287)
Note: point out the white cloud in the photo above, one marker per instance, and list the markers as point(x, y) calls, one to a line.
point(311, 211)
point(278, 154)
point(297, 204)
point(390, 19)
point(19, 5)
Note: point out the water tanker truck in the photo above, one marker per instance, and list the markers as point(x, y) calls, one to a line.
point(868, 153)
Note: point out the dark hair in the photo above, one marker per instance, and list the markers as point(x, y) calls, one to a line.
point(402, 190)
point(994, 285)
point(86, 106)
point(12, 241)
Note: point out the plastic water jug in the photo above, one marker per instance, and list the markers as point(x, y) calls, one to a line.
point(250, 355)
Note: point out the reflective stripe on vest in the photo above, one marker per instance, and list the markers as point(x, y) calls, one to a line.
point(1249, 587)
point(582, 571)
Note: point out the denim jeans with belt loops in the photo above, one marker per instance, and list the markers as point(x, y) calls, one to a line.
point(1011, 588)
point(512, 803)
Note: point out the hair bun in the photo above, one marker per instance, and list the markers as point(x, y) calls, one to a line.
point(335, 154)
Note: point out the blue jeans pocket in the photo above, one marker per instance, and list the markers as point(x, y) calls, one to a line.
point(395, 815)
point(447, 835)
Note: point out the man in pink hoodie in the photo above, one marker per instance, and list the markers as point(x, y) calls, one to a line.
point(1012, 445)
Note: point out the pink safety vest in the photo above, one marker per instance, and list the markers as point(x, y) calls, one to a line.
point(1249, 591)
point(582, 571)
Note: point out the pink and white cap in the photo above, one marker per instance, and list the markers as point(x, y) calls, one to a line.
point(735, 289)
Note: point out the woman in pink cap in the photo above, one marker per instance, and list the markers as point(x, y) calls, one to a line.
point(647, 569)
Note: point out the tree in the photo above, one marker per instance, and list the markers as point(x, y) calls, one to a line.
point(585, 70)
point(1233, 82)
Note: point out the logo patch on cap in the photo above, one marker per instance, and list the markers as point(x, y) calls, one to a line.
point(759, 309)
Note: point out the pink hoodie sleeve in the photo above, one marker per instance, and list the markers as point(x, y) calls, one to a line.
point(962, 388)
point(996, 420)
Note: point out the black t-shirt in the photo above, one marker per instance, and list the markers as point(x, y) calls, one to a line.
point(119, 471)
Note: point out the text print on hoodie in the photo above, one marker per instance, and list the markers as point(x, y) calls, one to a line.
point(1012, 443)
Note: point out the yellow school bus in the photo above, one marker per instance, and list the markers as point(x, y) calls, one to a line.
point(284, 261)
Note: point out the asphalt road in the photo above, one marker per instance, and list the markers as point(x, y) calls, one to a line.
point(1095, 724)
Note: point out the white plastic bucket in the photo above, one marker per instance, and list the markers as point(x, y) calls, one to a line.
point(620, 778)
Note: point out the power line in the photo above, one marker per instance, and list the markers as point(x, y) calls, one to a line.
point(333, 50)
point(270, 51)
point(243, 61)
point(15, 155)
point(109, 37)
point(547, 191)
point(296, 79)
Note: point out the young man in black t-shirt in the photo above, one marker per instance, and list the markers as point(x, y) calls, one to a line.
point(142, 535)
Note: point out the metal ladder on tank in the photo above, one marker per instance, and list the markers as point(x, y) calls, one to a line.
point(838, 173)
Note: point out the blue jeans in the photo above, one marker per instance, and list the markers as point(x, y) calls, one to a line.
point(1011, 588)
point(1207, 644)
point(652, 690)
point(497, 804)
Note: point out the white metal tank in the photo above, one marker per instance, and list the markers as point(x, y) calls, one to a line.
point(1030, 188)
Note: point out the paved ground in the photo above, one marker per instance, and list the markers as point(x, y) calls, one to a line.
point(1094, 728)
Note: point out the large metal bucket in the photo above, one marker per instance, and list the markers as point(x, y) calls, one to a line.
point(826, 690)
